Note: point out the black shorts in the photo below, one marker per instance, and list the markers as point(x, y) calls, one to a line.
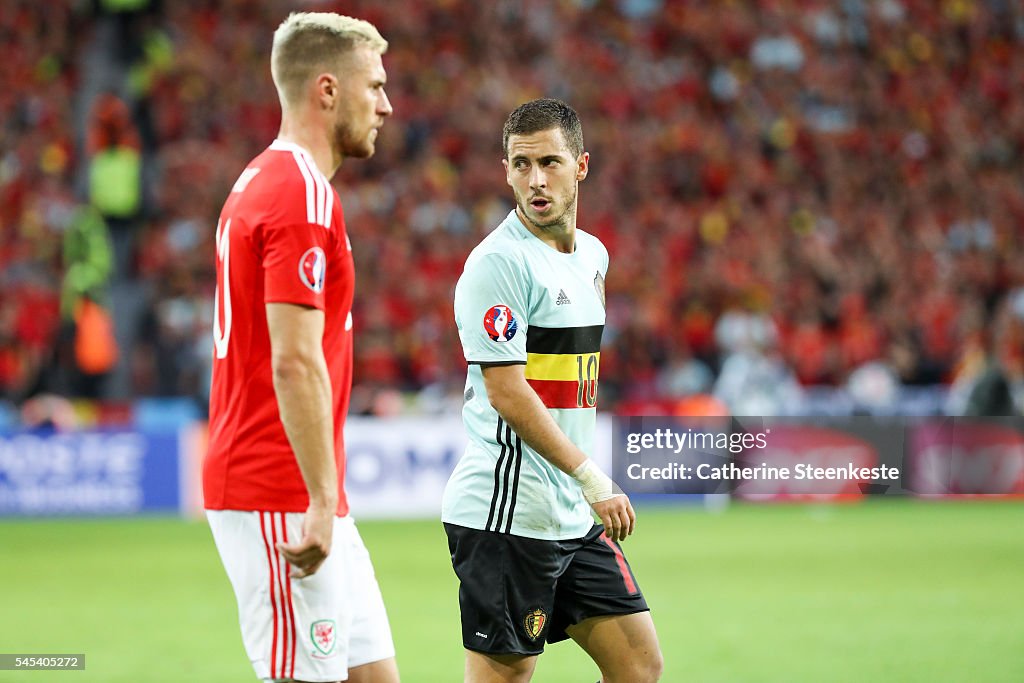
point(516, 593)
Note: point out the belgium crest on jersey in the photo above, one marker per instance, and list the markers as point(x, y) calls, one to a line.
point(534, 623)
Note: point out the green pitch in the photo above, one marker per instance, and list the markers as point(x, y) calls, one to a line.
point(885, 591)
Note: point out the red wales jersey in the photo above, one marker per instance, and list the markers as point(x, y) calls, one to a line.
point(280, 239)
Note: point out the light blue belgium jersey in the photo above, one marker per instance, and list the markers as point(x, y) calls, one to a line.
point(520, 301)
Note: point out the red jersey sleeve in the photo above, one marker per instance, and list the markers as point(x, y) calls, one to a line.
point(296, 264)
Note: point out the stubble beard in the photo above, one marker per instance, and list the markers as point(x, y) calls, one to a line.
point(349, 144)
point(558, 224)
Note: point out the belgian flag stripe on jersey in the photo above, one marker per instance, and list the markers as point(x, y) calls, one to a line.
point(558, 366)
point(556, 394)
point(575, 340)
point(562, 364)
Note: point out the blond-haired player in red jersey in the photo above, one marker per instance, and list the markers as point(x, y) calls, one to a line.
point(309, 605)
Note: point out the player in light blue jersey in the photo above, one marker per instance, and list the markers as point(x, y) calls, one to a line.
point(518, 510)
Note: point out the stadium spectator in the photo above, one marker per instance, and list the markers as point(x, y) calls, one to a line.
point(87, 258)
point(115, 173)
point(87, 262)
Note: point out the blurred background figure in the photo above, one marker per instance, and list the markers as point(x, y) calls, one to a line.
point(989, 375)
point(48, 412)
point(85, 314)
point(754, 379)
point(115, 173)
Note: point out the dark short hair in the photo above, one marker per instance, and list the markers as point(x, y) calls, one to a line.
point(544, 114)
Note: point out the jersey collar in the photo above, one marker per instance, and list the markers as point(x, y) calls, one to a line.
point(285, 146)
point(517, 225)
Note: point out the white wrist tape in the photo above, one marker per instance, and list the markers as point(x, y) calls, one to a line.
point(596, 485)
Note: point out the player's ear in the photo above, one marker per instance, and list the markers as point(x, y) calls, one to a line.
point(582, 166)
point(327, 90)
point(508, 179)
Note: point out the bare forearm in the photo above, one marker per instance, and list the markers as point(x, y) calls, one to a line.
point(519, 405)
point(516, 401)
point(303, 390)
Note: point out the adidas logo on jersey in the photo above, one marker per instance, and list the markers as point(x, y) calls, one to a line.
point(562, 298)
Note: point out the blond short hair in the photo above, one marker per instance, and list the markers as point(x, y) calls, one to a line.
point(308, 43)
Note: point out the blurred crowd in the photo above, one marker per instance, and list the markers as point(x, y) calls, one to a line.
point(792, 193)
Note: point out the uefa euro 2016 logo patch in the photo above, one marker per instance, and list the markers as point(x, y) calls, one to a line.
point(500, 323)
point(313, 268)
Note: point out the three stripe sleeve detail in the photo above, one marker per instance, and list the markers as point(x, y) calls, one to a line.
point(506, 474)
point(319, 193)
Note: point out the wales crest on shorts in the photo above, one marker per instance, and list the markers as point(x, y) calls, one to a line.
point(324, 635)
point(534, 623)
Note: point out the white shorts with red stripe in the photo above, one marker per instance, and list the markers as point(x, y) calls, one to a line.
point(309, 629)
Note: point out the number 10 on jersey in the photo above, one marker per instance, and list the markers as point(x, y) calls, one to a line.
point(586, 392)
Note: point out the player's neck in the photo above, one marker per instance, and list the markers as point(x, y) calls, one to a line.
point(561, 237)
point(312, 139)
